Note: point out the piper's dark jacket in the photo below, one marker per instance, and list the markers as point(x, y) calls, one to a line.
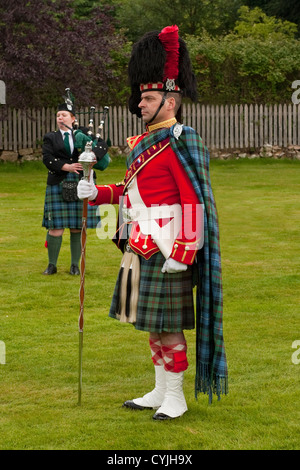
point(55, 156)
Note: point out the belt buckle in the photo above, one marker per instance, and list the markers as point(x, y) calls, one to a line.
point(127, 247)
point(126, 215)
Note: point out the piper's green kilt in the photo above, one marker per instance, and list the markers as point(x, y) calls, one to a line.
point(165, 301)
point(60, 214)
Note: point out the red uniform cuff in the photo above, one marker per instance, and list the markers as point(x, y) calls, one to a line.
point(185, 252)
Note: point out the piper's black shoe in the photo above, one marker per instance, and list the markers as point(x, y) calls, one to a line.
point(51, 269)
point(74, 270)
point(134, 406)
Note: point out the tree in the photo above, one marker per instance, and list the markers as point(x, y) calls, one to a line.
point(84, 8)
point(44, 49)
point(191, 16)
point(257, 63)
point(256, 24)
point(284, 9)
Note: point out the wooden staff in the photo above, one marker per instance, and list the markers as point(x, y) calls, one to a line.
point(87, 160)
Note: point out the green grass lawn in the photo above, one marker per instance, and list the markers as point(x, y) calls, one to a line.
point(258, 205)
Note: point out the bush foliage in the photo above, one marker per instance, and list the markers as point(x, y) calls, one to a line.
point(49, 45)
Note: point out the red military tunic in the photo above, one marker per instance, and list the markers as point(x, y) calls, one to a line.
point(161, 181)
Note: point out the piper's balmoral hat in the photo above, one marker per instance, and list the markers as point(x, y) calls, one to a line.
point(160, 61)
point(68, 105)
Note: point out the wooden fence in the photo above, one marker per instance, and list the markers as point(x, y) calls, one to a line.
point(221, 127)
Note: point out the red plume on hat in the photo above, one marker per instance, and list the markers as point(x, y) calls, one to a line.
point(170, 39)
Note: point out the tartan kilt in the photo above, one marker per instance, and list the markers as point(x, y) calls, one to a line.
point(61, 214)
point(165, 301)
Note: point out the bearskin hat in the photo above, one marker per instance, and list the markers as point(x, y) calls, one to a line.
point(160, 61)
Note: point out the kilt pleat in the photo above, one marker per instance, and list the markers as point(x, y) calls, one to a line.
point(61, 214)
point(165, 300)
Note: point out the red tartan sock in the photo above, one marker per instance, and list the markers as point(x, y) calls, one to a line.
point(174, 357)
point(156, 352)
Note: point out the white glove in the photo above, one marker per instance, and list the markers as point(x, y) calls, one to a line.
point(87, 189)
point(172, 266)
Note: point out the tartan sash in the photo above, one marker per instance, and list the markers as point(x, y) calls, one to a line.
point(148, 141)
point(211, 364)
point(143, 158)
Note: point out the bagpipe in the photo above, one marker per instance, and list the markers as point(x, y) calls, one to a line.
point(83, 135)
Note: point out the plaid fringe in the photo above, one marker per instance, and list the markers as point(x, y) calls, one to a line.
point(210, 384)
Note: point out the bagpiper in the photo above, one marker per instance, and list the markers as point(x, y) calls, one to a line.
point(62, 208)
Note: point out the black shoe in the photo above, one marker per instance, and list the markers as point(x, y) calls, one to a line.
point(161, 416)
point(51, 269)
point(74, 270)
point(133, 406)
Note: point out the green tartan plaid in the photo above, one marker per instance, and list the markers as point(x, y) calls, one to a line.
point(61, 214)
point(165, 301)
